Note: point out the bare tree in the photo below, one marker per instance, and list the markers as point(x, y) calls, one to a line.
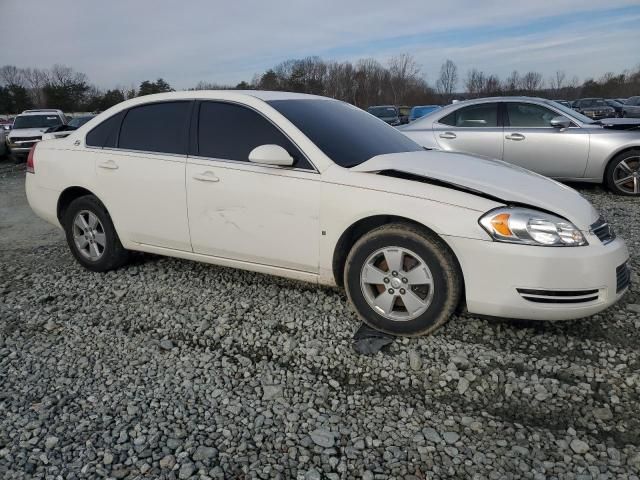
point(11, 75)
point(556, 82)
point(448, 79)
point(403, 70)
point(475, 82)
point(512, 84)
point(36, 79)
point(531, 82)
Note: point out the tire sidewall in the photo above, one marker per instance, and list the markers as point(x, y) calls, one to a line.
point(432, 254)
point(91, 204)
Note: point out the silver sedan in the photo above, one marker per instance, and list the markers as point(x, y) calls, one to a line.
point(540, 135)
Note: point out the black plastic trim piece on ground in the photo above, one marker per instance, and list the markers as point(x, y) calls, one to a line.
point(369, 341)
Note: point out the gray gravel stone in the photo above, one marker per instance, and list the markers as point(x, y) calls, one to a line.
point(579, 446)
point(323, 437)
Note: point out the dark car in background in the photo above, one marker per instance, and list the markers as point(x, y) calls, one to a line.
point(595, 108)
point(631, 108)
point(616, 105)
point(422, 110)
point(403, 112)
point(61, 131)
point(388, 113)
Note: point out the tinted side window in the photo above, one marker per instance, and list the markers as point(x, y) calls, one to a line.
point(230, 132)
point(449, 119)
point(529, 115)
point(157, 127)
point(483, 115)
point(105, 134)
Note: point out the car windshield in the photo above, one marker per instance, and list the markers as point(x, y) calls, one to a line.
point(77, 122)
point(614, 103)
point(593, 102)
point(383, 111)
point(346, 134)
point(570, 112)
point(36, 121)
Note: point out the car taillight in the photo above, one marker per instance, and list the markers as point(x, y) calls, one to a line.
point(31, 166)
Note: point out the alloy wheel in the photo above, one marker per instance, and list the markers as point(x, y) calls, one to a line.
point(397, 283)
point(88, 235)
point(626, 175)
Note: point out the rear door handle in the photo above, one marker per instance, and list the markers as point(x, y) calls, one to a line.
point(515, 136)
point(207, 176)
point(448, 135)
point(108, 164)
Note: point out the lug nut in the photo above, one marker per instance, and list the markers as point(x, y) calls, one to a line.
point(386, 280)
point(391, 291)
point(402, 292)
point(404, 280)
point(394, 273)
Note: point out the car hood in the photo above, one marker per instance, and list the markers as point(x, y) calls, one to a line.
point(26, 132)
point(488, 178)
point(620, 123)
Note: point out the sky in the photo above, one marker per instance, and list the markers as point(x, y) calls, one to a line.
point(122, 42)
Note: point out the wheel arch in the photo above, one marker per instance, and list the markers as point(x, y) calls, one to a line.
point(356, 230)
point(67, 196)
point(615, 155)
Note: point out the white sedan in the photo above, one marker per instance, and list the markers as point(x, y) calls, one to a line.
point(315, 189)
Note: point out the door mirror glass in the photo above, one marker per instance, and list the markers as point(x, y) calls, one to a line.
point(560, 122)
point(271, 155)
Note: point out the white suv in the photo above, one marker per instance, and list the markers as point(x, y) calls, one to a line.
point(29, 126)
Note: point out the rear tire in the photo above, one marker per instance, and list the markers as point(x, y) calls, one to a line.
point(403, 280)
point(624, 166)
point(91, 235)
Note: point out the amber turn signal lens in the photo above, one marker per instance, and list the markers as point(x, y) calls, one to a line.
point(501, 224)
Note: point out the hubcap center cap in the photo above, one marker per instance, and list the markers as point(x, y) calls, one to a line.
point(395, 282)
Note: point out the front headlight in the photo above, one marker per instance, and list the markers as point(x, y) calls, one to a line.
point(531, 227)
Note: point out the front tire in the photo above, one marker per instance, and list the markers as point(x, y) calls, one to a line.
point(91, 235)
point(623, 174)
point(402, 280)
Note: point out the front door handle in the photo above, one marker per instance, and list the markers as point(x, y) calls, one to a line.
point(448, 135)
point(515, 136)
point(108, 164)
point(207, 176)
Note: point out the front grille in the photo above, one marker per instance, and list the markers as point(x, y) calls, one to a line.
point(623, 277)
point(603, 231)
point(25, 139)
point(558, 296)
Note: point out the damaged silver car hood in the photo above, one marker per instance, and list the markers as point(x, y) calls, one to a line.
point(486, 177)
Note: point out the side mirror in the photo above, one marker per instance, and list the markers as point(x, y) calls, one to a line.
point(560, 122)
point(271, 155)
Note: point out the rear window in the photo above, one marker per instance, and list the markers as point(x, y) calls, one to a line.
point(347, 135)
point(156, 127)
point(105, 135)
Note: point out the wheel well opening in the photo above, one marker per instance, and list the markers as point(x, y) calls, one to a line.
point(68, 196)
point(615, 156)
point(350, 236)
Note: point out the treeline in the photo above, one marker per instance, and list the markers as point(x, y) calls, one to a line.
point(366, 82)
point(63, 88)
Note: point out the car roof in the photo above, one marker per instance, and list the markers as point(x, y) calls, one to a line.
point(40, 112)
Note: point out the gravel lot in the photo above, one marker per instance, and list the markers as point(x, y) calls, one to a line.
point(174, 369)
